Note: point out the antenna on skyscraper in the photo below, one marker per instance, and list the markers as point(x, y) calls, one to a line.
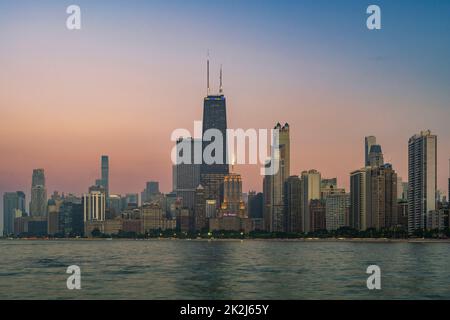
point(221, 87)
point(207, 73)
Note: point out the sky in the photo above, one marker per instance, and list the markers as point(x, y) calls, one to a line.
point(136, 71)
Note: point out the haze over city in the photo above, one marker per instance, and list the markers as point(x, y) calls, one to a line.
point(133, 74)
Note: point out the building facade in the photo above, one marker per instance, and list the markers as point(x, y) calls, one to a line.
point(422, 179)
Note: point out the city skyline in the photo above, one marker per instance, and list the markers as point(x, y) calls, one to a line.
point(394, 91)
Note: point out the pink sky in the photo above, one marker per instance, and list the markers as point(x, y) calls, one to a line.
point(67, 98)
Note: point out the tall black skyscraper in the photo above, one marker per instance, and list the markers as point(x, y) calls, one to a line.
point(215, 117)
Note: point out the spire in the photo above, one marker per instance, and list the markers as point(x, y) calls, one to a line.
point(207, 74)
point(221, 87)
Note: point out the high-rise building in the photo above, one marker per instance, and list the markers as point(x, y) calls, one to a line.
point(373, 198)
point(105, 177)
point(360, 217)
point(337, 207)
point(402, 189)
point(71, 217)
point(329, 186)
point(448, 198)
point(383, 193)
point(311, 182)
point(369, 142)
point(211, 209)
point(186, 174)
point(215, 118)
point(151, 192)
point(292, 204)
point(130, 200)
point(232, 196)
point(213, 184)
point(422, 179)
point(214, 127)
point(94, 204)
point(200, 221)
point(115, 204)
point(317, 210)
point(38, 203)
point(376, 156)
point(274, 182)
point(152, 215)
point(13, 206)
point(255, 205)
point(38, 178)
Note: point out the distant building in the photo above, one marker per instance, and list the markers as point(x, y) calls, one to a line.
point(376, 156)
point(317, 210)
point(402, 214)
point(115, 204)
point(211, 209)
point(53, 217)
point(38, 203)
point(13, 206)
point(232, 196)
point(71, 217)
point(105, 177)
point(151, 192)
point(130, 200)
point(255, 205)
point(311, 182)
point(274, 183)
point(200, 221)
point(422, 178)
point(383, 193)
point(94, 204)
point(436, 220)
point(230, 223)
point(186, 173)
point(337, 207)
point(360, 217)
point(369, 142)
point(215, 117)
point(292, 204)
point(402, 189)
point(373, 198)
point(185, 220)
point(154, 218)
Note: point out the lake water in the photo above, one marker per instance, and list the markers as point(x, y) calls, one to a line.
point(249, 269)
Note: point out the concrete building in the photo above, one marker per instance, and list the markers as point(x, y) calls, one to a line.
point(230, 223)
point(232, 196)
point(38, 203)
point(383, 193)
point(13, 206)
point(317, 210)
point(292, 203)
point(310, 184)
point(151, 192)
point(337, 208)
point(186, 172)
point(369, 141)
point(274, 183)
point(200, 220)
point(360, 217)
point(94, 204)
point(422, 179)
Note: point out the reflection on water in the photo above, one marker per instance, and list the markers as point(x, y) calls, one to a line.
point(177, 269)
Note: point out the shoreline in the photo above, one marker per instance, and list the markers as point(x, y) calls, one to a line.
point(309, 240)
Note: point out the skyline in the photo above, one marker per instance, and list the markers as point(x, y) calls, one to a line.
point(74, 92)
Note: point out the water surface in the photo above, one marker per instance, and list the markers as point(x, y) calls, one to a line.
point(249, 269)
